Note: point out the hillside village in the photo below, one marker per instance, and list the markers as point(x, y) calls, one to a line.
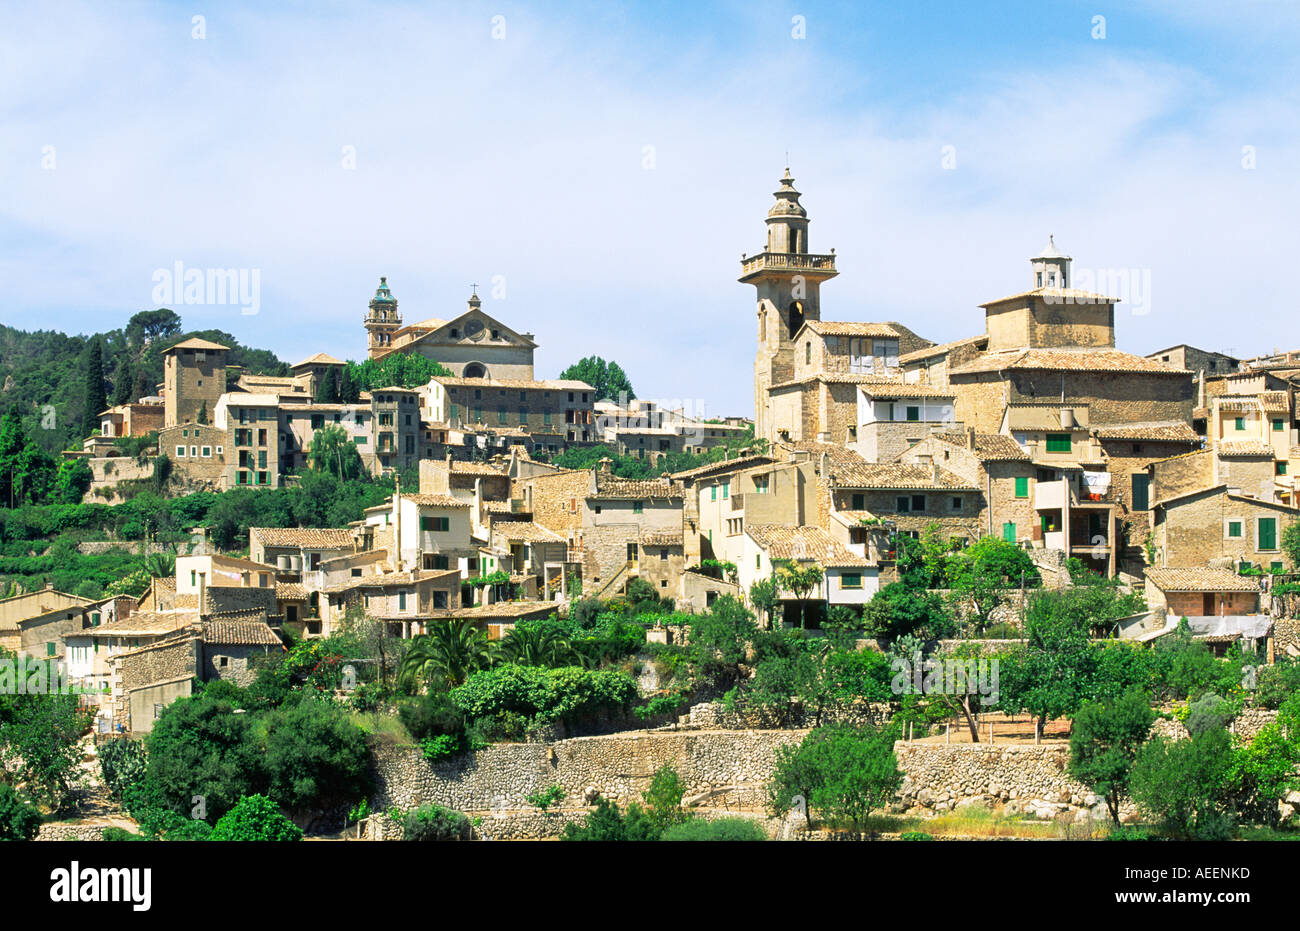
point(1168, 479)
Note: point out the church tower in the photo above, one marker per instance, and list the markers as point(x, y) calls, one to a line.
point(382, 320)
point(788, 279)
point(1051, 267)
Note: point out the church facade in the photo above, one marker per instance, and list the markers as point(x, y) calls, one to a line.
point(473, 344)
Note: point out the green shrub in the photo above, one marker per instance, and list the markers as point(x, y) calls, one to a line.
point(123, 763)
point(540, 695)
point(18, 820)
point(442, 746)
point(723, 829)
point(1128, 832)
point(915, 835)
point(607, 823)
point(314, 755)
point(433, 822)
point(118, 834)
point(255, 818)
point(430, 715)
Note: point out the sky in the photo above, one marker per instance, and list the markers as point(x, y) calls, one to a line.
point(599, 169)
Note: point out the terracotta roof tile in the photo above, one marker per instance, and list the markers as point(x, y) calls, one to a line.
point(781, 541)
point(1232, 448)
point(610, 486)
point(850, 328)
point(310, 537)
point(239, 632)
point(1201, 580)
point(436, 501)
point(1066, 360)
point(989, 447)
point(1172, 431)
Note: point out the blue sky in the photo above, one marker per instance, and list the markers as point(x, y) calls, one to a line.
point(523, 160)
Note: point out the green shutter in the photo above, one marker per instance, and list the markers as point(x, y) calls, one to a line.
point(1268, 533)
point(1141, 491)
point(1022, 486)
point(1058, 442)
point(1009, 532)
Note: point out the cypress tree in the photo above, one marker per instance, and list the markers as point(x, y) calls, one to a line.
point(96, 401)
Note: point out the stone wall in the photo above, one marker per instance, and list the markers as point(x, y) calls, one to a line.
point(718, 768)
point(71, 831)
point(1029, 779)
point(1286, 637)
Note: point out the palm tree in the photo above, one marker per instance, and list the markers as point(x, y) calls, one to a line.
point(160, 565)
point(445, 656)
point(532, 646)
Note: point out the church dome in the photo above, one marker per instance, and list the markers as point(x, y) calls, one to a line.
point(382, 294)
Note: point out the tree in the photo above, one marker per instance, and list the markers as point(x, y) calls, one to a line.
point(609, 380)
point(800, 581)
point(763, 595)
point(445, 656)
point(200, 748)
point(149, 325)
point(719, 642)
point(96, 400)
point(332, 451)
point(255, 818)
point(18, 820)
point(663, 799)
point(1183, 784)
point(1263, 773)
point(1105, 741)
point(538, 646)
point(72, 481)
point(839, 771)
point(124, 384)
point(327, 390)
point(314, 756)
point(981, 574)
point(1291, 543)
point(897, 611)
point(123, 763)
point(40, 740)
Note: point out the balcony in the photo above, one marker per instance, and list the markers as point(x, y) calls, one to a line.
point(791, 261)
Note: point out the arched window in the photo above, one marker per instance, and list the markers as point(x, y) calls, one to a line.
point(474, 370)
point(807, 353)
point(796, 317)
point(762, 326)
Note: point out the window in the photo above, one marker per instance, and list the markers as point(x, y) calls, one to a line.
point(207, 452)
point(401, 601)
point(918, 502)
point(435, 524)
point(713, 492)
point(1241, 423)
point(913, 413)
point(1233, 528)
point(851, 580)
point(1022, 486)
point(956, 502)
point(49, 648)
point(859, 502)
point(501, 415)
point(726, 489)
point(663, 554)
point(760, 484)
point(1058, 442)
point(638, 507)
point(903, 504)
point(807, 353)
point(1141, 491)
point(1279, 467)
point(1277, 425)
point(180, 452)
point(356, 573)
point(1267, 533)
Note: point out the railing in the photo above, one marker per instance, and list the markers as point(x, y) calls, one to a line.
point(794, 260)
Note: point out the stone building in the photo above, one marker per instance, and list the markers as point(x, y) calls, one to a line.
point(472, 345)
point(194, 378)
point(44, 602)
point(1213, 525)
point(563, 407)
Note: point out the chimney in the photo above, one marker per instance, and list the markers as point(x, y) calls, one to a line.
point(970, 438)
point(934, 471)
point(203, 593)
point(396, 560)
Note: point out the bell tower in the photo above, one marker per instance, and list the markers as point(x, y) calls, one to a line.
point(382, 320)
point(788, 279)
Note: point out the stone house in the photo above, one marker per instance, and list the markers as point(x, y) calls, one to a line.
point(194, 378)
point(546, 407)
point(700, 476)
point(44, 602)
point(848, 578)
point(892, 417)
point(1215, 525)
point(1201, 592)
